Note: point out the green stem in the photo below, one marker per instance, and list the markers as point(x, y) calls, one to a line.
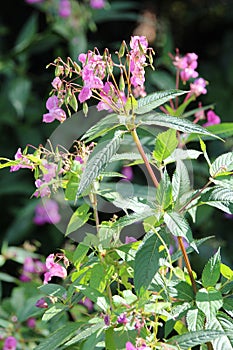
point(156, 183)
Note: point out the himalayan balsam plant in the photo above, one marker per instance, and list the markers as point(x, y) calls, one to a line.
point(136, 293)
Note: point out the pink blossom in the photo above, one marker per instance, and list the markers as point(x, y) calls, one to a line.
point(87, 303)
point(212, 119)
point(54, 269)
point(50, 171)
point(57, 83)
point(188, 73)
point(43, 189)
point(64, 8)
point(97, 4)
point(129, 346)
point(55, 112)
point(31, 266)
point(24, 162)
point(136, 40)
point(48, 212)
point(198, 87)
point(187, 65)
point(85, 94)
point(139, 46)
point(10, 343)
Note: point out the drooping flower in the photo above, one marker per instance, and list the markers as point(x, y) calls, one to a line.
point(48, 212)
point(55, 112)
point(212, 119)
point(54, 269)
point(97, 4)
point(64, 8)
point(139, 45)
point(10, 343)
point(57, 83)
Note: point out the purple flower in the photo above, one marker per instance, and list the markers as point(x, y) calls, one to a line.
point(57, 83)
point(212, 119)
point(43, 189)
point(198, 87)
point(127, 171)
point(31, 322)
point(47, 213)
point(107, 320)
point(97, 4)
point(129, 346)
point(64, 8)
point(139, 45)
point(129, 239)
point(228, 216)
point(10, 343)
point(31, 266)
point(87, 303)
point(41, 303)
point(187, 65)
point(54, 269)
point(55, 112)
point(122, 319)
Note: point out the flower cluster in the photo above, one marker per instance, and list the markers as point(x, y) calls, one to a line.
point(32, 267)
point(98, 80)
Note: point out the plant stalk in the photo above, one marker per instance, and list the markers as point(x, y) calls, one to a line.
point(156, 183)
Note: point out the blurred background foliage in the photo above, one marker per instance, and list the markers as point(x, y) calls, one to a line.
point(34, 35)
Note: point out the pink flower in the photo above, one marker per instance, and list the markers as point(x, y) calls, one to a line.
point(24, 162)
point(87, 303)
point(212, 119)
point(54, 269)
point(64, 8)
point(198, 87)
point(187, 65)
point(10, 343)
point(48, 212)
point(57, 83)
point(139, 47)
point(43, 189)
point(97, 4)
point(31, 266)
point(55, 112)
point(129, 346)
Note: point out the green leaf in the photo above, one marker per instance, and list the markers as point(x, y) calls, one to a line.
point(219, 197)
point(222, 130)
point(182, 291)
point(99, 161)
point(53, 290)
point(166, 143)
point(54, 311)
point(59, 337)
point(195, 319)
point(226, 271)
point(152, 101)
point(18, 92)
point(224, 324)
point(147, 262)
point(80, 254)
point(182, 154)
point(209, 302)
point(86, 333)
point(191, 339)
point(180, 181)
point(211, 272)
point(102, 127)
point(222, 164)
point(178, 226)
point(78, 218)
point(174, 123)
point(27, 33)
point(164, 192)
point(97, 297)
point(128, 156)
